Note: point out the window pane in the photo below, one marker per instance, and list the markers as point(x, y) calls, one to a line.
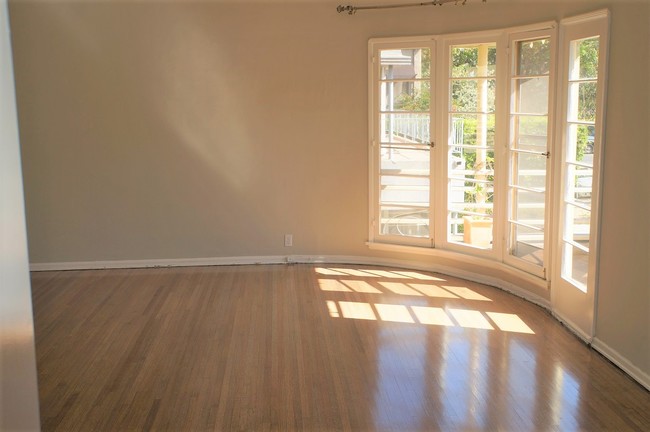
point(584, 59)
point(533, 57)
point(472, 130)
point(529, 208)
point(405, 128)
point(469, 229)
point(575, 259)
point(404, 190)
point(582, 185)
point(471, 170)
point(580, 144)
point(456, 194)
point(404, 221)
point(477, 198)
point(529, 171)
point(404, 159)
point(471, 177)
point(405, 137)
point(473, 95)
point(582, 105)
point(529, 129)
point(575, 266)
point(532, 95)
point(528, 244)
point(472, 164)
point(474, 61)
point(407, 64)
point(530, 133)
point(405, 96)
point(577, 226)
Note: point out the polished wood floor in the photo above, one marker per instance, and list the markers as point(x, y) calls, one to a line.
point(302, 347)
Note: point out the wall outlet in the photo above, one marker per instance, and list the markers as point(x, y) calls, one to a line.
point(288, 240)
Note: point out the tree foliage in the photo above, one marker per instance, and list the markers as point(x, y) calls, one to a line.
point(588, 58)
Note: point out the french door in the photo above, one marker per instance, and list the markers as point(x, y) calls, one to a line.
point(402, 137)
point(529, 150)
point(583, 70)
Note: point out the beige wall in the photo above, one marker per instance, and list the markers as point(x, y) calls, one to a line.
point(623, 319)
point(156, 130)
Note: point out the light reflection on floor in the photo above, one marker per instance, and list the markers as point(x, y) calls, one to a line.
point(565, 399)
point(400, 391)
point(473, 344)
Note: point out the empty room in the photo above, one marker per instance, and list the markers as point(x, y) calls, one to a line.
point(317, 215)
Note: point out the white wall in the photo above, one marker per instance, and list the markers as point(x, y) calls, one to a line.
point(164, 130)
point(18, 391)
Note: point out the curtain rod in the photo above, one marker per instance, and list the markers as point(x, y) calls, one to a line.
point(351, 10)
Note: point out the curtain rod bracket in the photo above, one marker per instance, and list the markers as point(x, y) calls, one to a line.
point(351, 10)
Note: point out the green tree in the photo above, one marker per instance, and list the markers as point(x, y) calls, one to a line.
point(418, 99)
point(588, 58)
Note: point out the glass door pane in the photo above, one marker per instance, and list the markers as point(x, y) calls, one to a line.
point(471, 126)
point(528, 152)
point(405, 142)
point(579, 160)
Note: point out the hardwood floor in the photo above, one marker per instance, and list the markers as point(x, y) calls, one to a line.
point(302, 347)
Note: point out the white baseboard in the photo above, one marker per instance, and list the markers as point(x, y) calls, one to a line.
point(306, 259)
point(184, 262)
point(623, 363)
point(573, 327)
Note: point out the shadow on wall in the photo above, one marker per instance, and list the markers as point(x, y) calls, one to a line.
point(192, 137)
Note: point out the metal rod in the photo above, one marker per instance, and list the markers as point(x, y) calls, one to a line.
point(351, 10)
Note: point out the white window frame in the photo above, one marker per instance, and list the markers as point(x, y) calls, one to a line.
point(441, 206)
point(543, 30)
point(375, 45)
point(572, 303)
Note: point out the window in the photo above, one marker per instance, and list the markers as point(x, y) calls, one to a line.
point(470, 153)
point(529, 150)
point(578, 166)
point(403, 142)
point(583, 71)
point(579, 139)
point(463, 146)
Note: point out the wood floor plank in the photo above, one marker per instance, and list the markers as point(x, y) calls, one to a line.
point(308, 347)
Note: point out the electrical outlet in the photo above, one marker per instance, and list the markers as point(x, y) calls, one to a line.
point(288, 240)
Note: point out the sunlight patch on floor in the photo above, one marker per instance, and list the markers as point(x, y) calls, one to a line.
point(353, 272)
point(400, 288)
point(357, 310)
point(433, 291)
point(394, 313)
point(331, 306)
point(332, 285)
point(432, 316)
point(465, 293)
point(509, 322)
point(470, 319)
point(361, 286)
point(337, 271)
point(465, 318)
